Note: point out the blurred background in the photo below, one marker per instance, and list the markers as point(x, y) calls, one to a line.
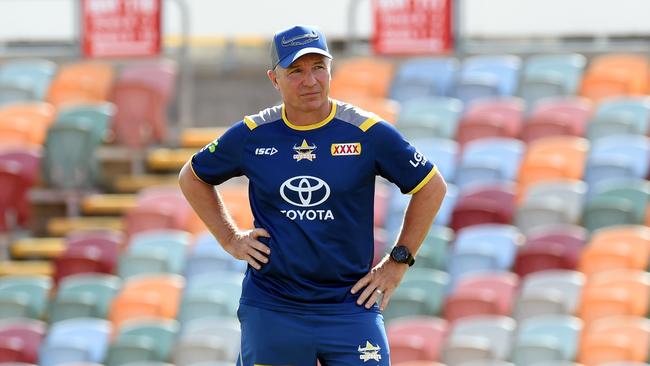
point(536, 113)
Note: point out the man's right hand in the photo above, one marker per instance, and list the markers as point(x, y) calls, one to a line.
point(244, 245)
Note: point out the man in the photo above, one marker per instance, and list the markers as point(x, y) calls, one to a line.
point(309, 292)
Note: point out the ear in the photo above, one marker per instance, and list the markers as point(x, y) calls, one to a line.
point(274, 80)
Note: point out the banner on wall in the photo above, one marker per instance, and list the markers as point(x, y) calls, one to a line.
point(120, 28)
point(411, 27)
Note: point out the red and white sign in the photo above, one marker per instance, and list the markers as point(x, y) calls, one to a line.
point(412, 27)
point(120, 28)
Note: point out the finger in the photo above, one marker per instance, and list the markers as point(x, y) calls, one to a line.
point(385, 300)
point(374, 297)
point(257, 255)
point(363, 282)
point(260, 247)
point(366, 294)
point(253, 263)
point(256, 233)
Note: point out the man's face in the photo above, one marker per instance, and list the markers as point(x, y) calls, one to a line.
point(304, 85)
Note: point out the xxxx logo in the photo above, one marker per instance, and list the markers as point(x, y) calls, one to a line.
point(353, 148)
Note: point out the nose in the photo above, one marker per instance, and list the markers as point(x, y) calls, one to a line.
point(310, 78)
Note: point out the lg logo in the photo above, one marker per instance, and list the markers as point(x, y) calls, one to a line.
point(305, 191)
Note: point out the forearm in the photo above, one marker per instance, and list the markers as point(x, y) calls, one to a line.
point(421, 212)
point(208, 205)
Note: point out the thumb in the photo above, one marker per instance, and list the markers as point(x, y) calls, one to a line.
point(256, 233)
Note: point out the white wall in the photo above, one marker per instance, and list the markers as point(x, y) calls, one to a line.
point(56, 19)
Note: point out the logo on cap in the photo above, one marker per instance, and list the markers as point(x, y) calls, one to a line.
point(300, 40)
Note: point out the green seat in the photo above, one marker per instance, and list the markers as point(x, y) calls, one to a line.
point(625, 115)
point(14, 305)
point(97, 117)
point(430, 117)
point(162, 332)
point(128, 349)
point(145, 261)
point(35, 288)
point(213, 303)
point(69, 160)
point(433, 252)
point(421, 292)
point(616, 202)
point(101, 287)
point(226, 285)
point(171, 244)
point(73, 305)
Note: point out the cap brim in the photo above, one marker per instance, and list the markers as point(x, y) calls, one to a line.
point(287, 61)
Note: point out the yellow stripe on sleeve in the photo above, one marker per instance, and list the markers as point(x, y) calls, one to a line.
point(368, 123)
point(424, 181)
point(250, 123)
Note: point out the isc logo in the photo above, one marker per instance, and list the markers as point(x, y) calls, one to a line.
point(265, 151)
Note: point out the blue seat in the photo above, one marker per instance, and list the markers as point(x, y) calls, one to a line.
point(546, 338)
point(421, 77)
point(32, 75)
point(208, 256)
point(211, 294)
point(487, 76)
point(75, 340)
point(489, 159)
point(546, 76)
point(429, 117)
point(618, 156)
point(625, 115)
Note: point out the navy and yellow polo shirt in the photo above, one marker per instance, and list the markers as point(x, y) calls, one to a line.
point(312, 188)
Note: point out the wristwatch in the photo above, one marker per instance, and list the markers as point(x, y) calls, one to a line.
point(402, 254)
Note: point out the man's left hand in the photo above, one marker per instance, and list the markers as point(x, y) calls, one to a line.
point(383, 279)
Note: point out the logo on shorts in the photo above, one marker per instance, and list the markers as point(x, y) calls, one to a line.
point(353, 148)
point(304, 151)
point(369, 352)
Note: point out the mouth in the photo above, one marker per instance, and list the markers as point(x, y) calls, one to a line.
point(312, 94)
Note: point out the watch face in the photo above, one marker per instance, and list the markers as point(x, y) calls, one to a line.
point(400, 254)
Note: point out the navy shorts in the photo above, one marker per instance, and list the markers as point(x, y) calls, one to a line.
point(273, 338)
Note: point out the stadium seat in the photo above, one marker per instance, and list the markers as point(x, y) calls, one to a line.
point(497, 330)
point(615, 338)
point(29, 334)
point(160, 75)
point(615, 292)
point(362, 76)
point(208, 339)
point(31, 76)
point(423, 77)
point(616, 157)
point(416, 338)
point(616, 202)
point(25, 123)
point(19, 169)
point(549, 292)
point(547, 338)
point(421, 292)
point(161, 332)
point(97, 290)
point(81, 82)
point(435, 117)
point(171, 246)
point(489, 159)
point(552, 202)
point(75, 340)
point(151, 295)
point(556, 117)
point(546, 75)
point(129, 349)
point(619, 115)
point(487, 76)
point(615, 74)
point(552, 158)
point(484, 203)
point(491, 117)
point(96, 117)
point(433, 251)
point(34, 289)
point(208, 256)
point(214, 293)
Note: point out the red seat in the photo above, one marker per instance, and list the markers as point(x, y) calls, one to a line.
point(483, 204)
point(557, 116)
point(416, 338)
point(542, 256)
point(158, 208)
point(28, 332)
point(19, 168)
point(80, 259)
point(499, 117)
point(160, 75)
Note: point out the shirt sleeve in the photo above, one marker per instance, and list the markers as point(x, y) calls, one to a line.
point(399, 161)
point(220, 160)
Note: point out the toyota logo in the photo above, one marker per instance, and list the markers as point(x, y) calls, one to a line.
point(305, 191)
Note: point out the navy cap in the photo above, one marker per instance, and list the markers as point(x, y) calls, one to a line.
point(291, 43)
